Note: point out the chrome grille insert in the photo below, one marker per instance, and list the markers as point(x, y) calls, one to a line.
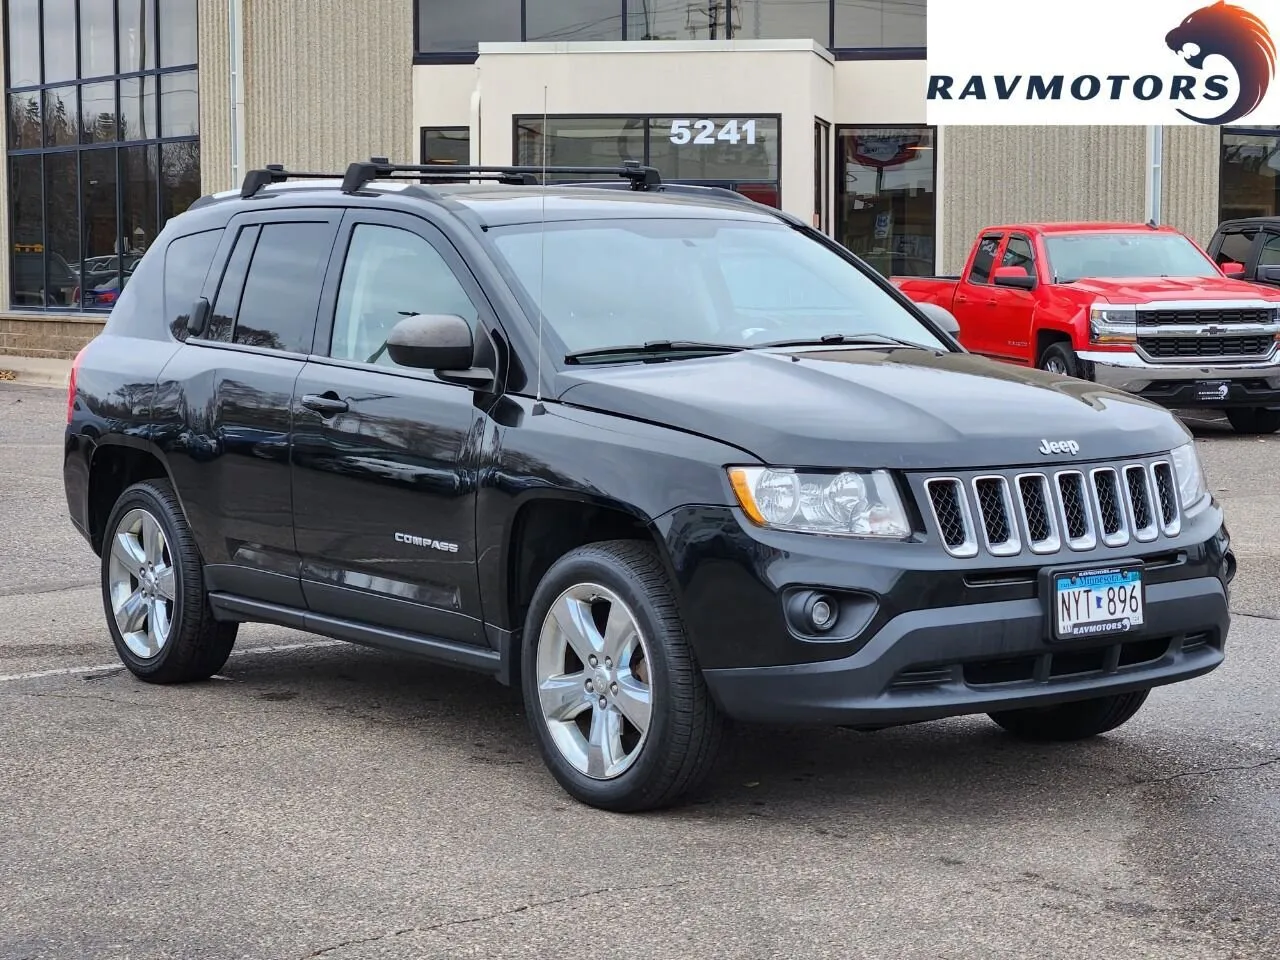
point(1046, 512)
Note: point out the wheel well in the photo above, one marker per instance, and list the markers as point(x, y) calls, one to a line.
point(545, 530)
point(1047, 338)
point(113, 470)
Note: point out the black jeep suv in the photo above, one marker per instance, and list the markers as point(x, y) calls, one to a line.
point(660, 455)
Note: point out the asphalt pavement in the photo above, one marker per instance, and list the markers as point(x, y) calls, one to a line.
point(324, 800)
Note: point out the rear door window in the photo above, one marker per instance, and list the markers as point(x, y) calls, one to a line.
point(282, 289)
point(985, 258)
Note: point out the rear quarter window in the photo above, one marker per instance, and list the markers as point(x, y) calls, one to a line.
point(186, 264)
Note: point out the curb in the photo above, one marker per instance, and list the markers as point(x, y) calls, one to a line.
point(36, 371)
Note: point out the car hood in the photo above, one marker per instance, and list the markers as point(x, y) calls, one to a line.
point(1123, 290)
point(894, 408)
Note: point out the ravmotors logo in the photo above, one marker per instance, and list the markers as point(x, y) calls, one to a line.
point(1105, 64)
point(1239, 37)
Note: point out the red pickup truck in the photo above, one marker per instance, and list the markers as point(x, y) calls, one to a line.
point(1133, 306)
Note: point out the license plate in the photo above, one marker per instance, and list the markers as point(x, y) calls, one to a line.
point(1097, 603)
point(1212, 390)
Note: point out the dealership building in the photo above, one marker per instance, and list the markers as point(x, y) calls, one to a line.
point(122, 112)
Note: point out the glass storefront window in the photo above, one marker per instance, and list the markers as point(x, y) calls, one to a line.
point(875, 24)
point(572, 20)
point(446, 145)
point(783, 20)
point(1250, 173)
point(736, 152)
point(96, 167)
point(886, 183)
point(450, 26)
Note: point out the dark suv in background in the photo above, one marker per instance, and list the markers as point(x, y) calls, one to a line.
point(660, 455)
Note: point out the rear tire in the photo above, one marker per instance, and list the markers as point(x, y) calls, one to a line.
point(1059, 358)
point(1253, 420)
point(615, 697)
point(1078, 720)
point(153, 590)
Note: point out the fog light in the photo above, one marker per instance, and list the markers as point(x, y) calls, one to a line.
point(822, 613)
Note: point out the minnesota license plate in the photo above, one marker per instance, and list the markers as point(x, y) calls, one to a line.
point(1212, 390)
point(1097, 603)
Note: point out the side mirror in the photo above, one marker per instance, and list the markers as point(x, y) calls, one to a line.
point(1233, 270)
point(1013, 277)
point(198, 318)
point(942, 317)
point(1269, 274)
point(441, 343)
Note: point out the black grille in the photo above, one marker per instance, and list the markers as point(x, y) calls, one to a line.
point(1156, 318)
point(1136, 479)
point(1165, 347)
point(1165, 492)
point(946, 504)
point(1033, 501)
point(1073, 505)
point(995, 516)
point(1105, 483)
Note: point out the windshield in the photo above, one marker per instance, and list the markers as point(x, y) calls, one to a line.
point(1080, 256)
point(612, 283)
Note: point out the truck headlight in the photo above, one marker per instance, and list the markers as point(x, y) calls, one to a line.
point(1193, 490)
point(1108, 324)
point(848, 503)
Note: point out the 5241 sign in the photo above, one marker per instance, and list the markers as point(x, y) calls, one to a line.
point(705, 132)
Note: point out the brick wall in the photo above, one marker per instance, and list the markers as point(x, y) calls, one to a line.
point(53, 338)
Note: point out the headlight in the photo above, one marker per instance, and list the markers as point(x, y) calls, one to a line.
point(1109, 324)
point(851, 503)
point(1192, 487)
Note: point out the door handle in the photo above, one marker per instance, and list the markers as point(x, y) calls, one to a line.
point(325, 404)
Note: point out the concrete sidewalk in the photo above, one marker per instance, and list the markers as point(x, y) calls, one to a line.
point(38, 371)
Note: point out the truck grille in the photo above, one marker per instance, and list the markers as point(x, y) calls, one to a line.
point(1164, 348)
point(1200, 318)
point(1044, 512)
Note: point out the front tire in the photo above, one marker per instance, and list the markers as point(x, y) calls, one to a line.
point(1059, 358)
point(1078, 720)
point(1253, 420)
point(153, 590)
point(615, 697)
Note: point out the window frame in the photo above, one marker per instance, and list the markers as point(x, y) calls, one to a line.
point(421, 58)
point(330, 215)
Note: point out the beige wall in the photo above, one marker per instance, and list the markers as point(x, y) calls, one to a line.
point(996, 174)
point(1189, 197)
point(327, 83)
point(877, 92)
point(215, 93)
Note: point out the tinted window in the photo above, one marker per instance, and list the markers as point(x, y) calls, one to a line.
point(622, 282)
point(880, 23)
point(1269, 255)
point(282, 290)
point(985, 258)
point(446, 145)
point(1017, 253)
point(447, 26)
point(225, 304)
point(1235, 246)
point(572, 20)
point(782, 20)
point(390, 274)
point(186, 264)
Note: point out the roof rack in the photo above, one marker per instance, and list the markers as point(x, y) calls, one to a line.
point(380, 168)
point(255, 180)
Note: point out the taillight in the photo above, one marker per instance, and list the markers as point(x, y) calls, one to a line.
point(71, 383)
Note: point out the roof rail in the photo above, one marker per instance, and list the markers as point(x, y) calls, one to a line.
point(380, 168)
point(691, 189)
point(255, 180)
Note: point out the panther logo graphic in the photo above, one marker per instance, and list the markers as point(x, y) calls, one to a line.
point(1236, 34)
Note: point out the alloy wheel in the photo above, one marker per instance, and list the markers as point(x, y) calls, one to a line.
point(594, 681)
point(140, 583)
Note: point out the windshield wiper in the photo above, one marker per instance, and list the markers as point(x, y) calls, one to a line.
point(836, 339)
point(652, 348)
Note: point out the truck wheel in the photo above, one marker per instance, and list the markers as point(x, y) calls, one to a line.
point(1253, 420)
point(153, 590)
point(1059, 358)
point(614, 695)
point(1078, 720)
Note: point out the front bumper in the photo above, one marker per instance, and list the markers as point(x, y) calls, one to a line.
point(1187, 385)
point(951, 661)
